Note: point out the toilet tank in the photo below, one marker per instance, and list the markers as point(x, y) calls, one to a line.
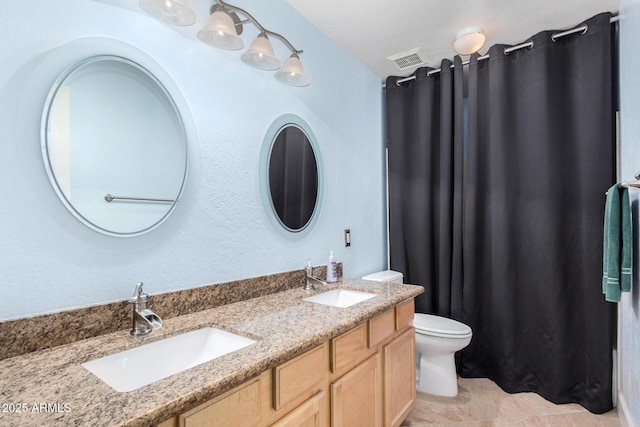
point(385, 276)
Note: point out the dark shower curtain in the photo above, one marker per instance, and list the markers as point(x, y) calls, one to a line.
point(540, 156)
point(425, 130)
point(523, 265)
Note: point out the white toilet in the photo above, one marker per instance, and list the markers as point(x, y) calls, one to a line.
point(437, 340)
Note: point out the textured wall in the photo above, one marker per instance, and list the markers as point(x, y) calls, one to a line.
point(629, 316)
point(49, 261)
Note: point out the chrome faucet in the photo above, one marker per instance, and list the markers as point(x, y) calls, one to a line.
point(311, 279)
point(144, 320)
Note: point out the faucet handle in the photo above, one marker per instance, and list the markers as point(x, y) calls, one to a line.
point(137, 293)
point(308, 269)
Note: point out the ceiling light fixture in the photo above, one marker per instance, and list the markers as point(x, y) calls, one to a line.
point(469, 41)
point(223, 31)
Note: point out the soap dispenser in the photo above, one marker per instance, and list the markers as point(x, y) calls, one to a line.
point(332, 269)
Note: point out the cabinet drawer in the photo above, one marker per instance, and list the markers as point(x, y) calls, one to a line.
point(305, 373)
point(381, 328)
point(404, 315)
point(239, 407)
point(311, 413)
point(349, 348)
point(172, 422)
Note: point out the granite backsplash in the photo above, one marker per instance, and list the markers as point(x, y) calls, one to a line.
point(25, 335)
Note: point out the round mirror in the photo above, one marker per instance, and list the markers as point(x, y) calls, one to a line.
point(292, 173)
point(114, 146)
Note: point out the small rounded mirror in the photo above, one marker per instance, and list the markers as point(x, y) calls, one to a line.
point(114, 146)
point(292, 173)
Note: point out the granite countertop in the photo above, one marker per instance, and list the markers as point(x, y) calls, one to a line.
point(50, 387)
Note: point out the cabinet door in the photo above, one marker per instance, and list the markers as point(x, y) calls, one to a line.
point(356, 397)
point(312, 413)
point(399, 368)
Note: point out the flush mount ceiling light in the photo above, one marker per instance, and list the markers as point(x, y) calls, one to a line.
point(469, 41)
point(176, 12)
point(223, 31)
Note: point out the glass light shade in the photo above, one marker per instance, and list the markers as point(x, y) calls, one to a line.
point(221, 32)
point(260, 54)
point(292, 72)
point(469, 41)
point(176, 12)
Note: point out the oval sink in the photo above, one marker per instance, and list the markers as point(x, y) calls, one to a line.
point(340, 297)
point(137, 367)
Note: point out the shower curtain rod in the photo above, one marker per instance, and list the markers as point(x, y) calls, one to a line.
point(581, 29)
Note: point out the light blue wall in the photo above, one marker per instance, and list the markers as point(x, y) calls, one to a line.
point(629, 316)
point(49, 261)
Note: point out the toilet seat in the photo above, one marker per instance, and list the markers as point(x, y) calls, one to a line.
point(438, 326)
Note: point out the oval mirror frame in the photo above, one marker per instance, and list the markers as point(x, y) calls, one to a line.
point(277, 127)
point(162, 207)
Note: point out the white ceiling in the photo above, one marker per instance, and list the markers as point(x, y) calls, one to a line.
point(372, 30)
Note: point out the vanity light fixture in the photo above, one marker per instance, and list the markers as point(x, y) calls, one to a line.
point(223, 31)
point(176, 12)
point(260, 54)
point(469, 41)
point(292, 73)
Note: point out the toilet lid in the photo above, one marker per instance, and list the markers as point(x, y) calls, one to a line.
point(439, 325)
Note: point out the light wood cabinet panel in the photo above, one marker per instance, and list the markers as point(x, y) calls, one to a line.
point(305, 373)
point(381, 328)
point(239, 407)
point(348, 349)
point(312, 413)
point(172, 422)
point(356, 396)
point(399, 378)
point(404, 314)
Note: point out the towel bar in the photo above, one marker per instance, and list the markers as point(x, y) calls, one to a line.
point(633, 184)
point(109, 198)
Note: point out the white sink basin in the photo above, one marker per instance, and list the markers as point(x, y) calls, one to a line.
point(340, 297)
point(132, 369)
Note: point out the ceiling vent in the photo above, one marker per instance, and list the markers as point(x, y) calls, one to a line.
point(409, 59)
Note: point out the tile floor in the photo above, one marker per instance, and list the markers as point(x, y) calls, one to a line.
point(481, 403)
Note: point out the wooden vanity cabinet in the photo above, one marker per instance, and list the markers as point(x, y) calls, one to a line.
point(381, 391)
point(364, 377)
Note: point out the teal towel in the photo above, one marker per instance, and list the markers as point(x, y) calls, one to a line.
point(617, 244)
